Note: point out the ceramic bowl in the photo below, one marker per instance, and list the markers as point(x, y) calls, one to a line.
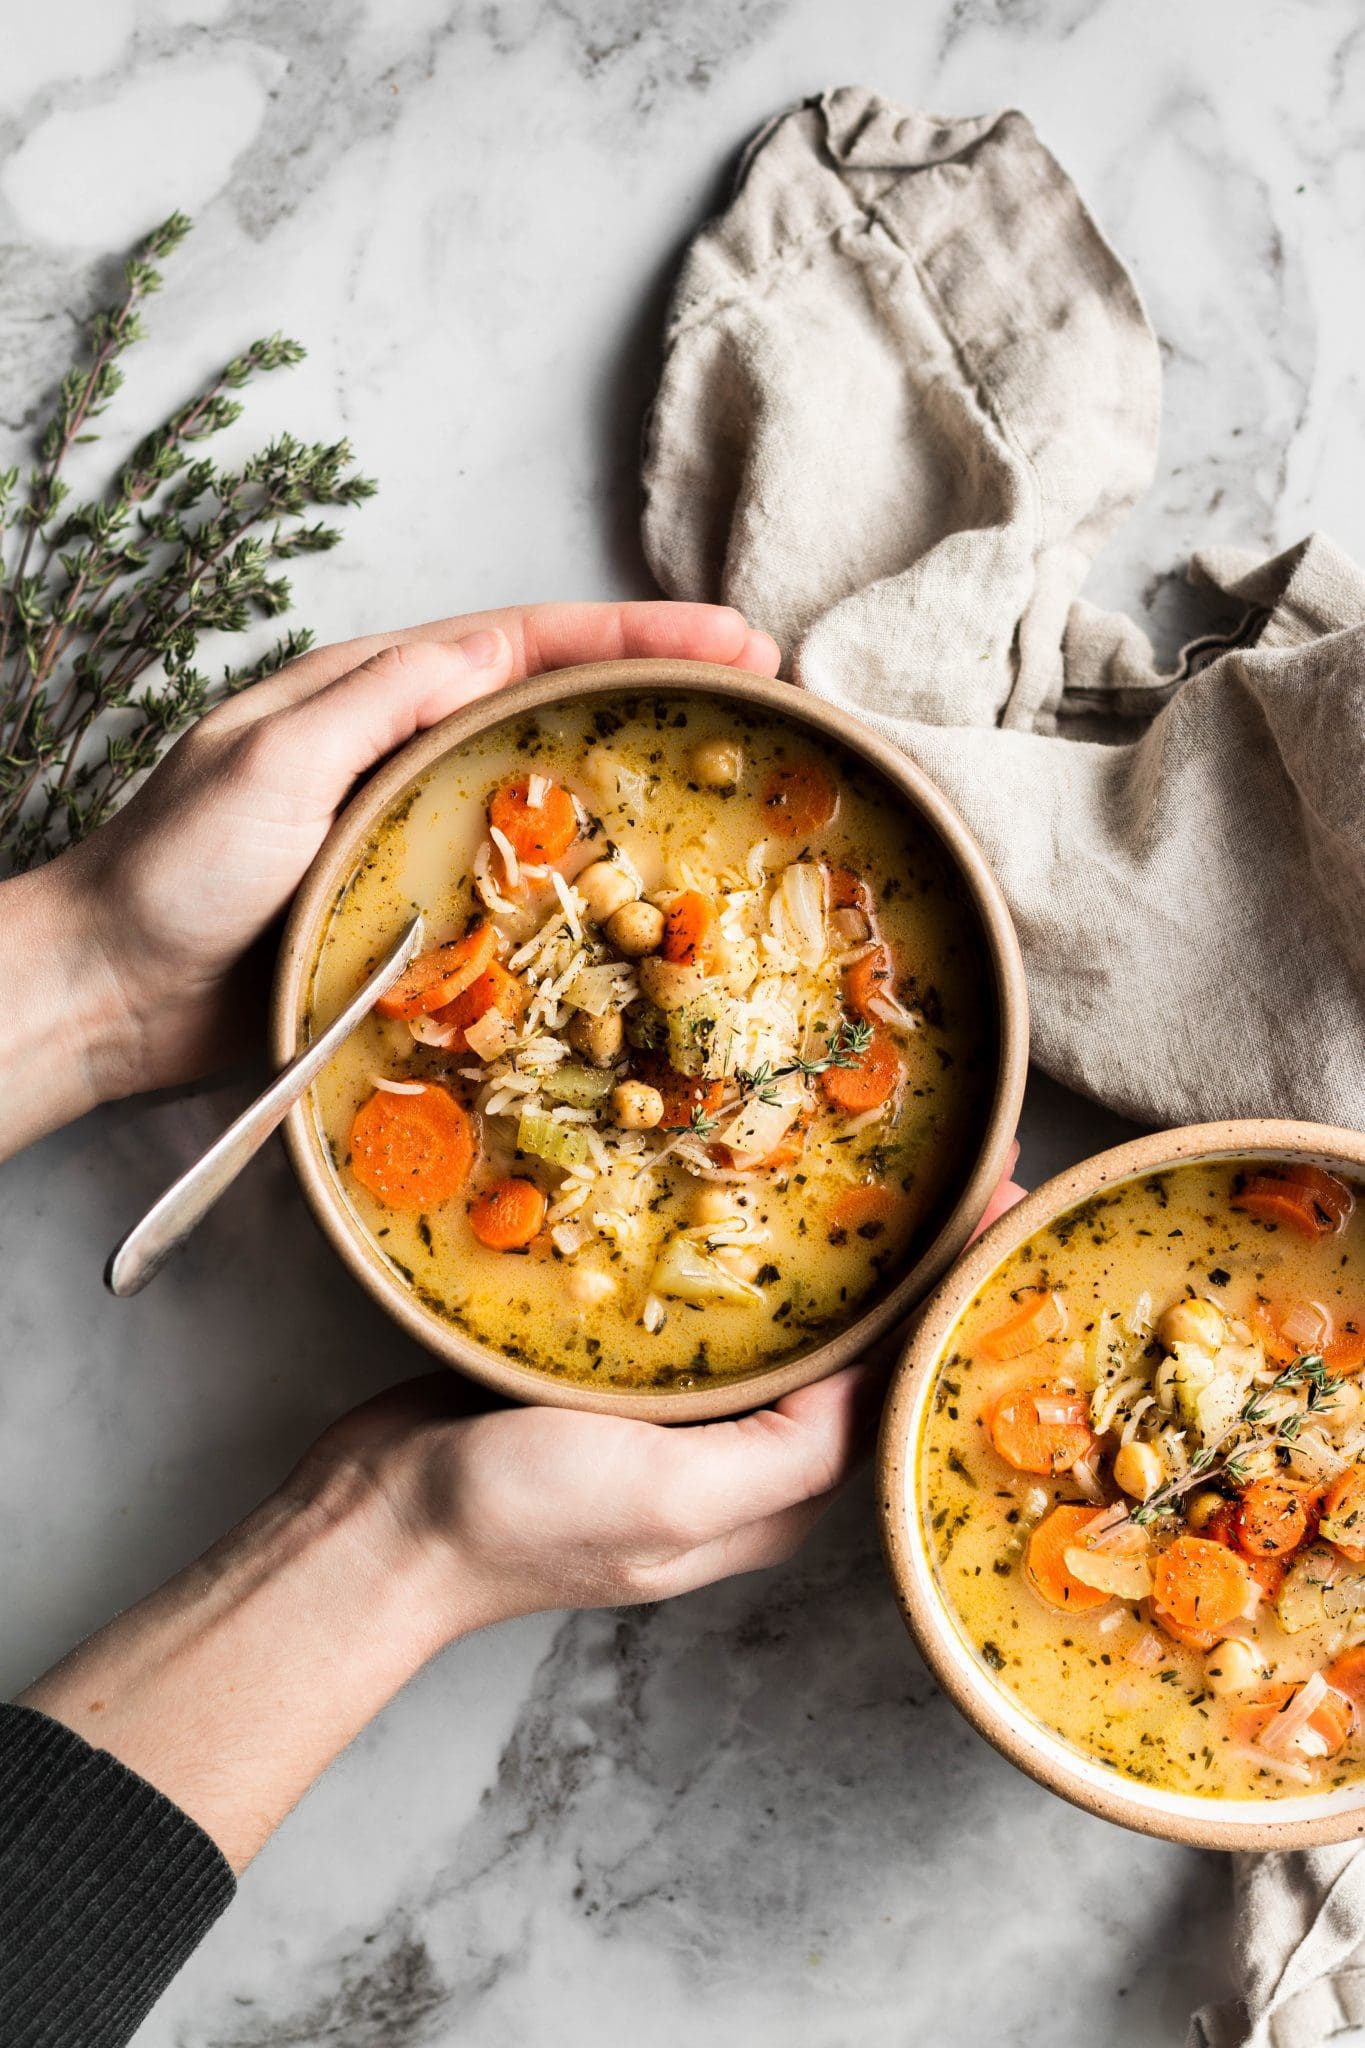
point(335, 863)
point(1284, 1823)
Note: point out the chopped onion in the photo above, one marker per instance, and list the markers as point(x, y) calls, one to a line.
point(797, 914)
point(887, 1011)
point(1129, 1578)
point(1086, 1477)
point(1307, 1325)
point(849, 928)
point(1145, 1650)
point(1066, 1408)
point(569, 1238)
point(1116, 1531)
point(426, 1031)
point(489, 1035)
point(1109, 1622)
point(537, 789)
point(511, 866)
point(398, 1087)
point(653, 1315)
point(1281, 1731)
point(760, 1126)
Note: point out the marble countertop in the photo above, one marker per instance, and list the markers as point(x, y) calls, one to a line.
point(748, 1817)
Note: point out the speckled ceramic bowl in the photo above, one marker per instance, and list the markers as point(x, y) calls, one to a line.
point(1285, 1823)
point(979, 1174)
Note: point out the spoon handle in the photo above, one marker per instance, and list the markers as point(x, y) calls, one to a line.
point(162, 1231)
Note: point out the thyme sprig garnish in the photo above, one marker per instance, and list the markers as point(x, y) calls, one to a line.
point(103, 602)
point(702, 1124)
point(850, 1041)
point(1308, 1370)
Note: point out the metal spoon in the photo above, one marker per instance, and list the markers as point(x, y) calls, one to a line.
point(162, 1231)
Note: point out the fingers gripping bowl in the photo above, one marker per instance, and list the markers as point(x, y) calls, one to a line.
point(1122, 1485)
point(713, 1062)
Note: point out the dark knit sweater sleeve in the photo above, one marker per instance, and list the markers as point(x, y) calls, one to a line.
point(105, 1889)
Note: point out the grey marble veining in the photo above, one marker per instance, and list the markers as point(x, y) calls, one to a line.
point(748, 1817)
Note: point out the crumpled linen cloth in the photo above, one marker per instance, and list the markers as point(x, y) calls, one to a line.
point(907, 392)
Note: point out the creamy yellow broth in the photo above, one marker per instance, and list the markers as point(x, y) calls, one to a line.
point(631, 766)
point(1111, 1680)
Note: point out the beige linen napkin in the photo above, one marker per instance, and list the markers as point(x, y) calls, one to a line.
point(908, 391)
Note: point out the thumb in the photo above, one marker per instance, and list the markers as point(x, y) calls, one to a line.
point(344, 729)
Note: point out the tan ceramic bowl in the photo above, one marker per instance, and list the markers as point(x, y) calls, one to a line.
point(331, 870)
point(1289, 1823)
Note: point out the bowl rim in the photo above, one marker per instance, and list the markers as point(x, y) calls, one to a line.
point(620, 678)
point(1208, 1823)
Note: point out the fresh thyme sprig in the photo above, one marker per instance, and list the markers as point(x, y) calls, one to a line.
point(103, 602)
point(851, 1039)
point(1310, 1370)
point(703, 1124)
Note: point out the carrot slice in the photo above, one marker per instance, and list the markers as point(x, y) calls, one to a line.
point(799, 798)
point(1192, 1638)
point(1037, 1316)
point(1272, 1519)
point(1029, 1443)
point(1346, 1675)
point(1269, 1574)
point(687, 927)
point(436, 978)
point(412, 1151)
point(1200, 1584)
point(538, 832)
point(848, 891)
point(1332, 1719)
point(684, 1094)
point(1343, 1514)
point(495, 989)
point(867, 978)
point(507, 1215)
point(1345, 1353)
point(1046, 1561)
point(1305, 1199)
point(870, 1081)
point(867, 1211)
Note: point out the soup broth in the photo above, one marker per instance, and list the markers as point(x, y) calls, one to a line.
point(1143, 1474)
point(703, 1046)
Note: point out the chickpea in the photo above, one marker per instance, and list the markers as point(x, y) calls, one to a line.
point(717, 764)
point(1233, 1665)
point(1196, 1322)
point(599, 1039)
point(713, 1205)
point(1138, 1470)
point(1201, 1508)
point(604, 887)
point(635, 1106)
point(636, 929)
point(741, 1260)
point(587, 1285)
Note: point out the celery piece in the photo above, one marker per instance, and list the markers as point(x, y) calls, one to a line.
point(581, 1087)
point(561, 1144)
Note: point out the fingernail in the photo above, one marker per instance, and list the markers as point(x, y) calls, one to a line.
point(764, 653)
point(483, 649)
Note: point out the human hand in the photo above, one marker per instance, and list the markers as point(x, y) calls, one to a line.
point(522, 1509)
point(139, 943)
point(413, 1522)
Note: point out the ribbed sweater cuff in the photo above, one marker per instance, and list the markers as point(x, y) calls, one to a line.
point(106, 1888)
